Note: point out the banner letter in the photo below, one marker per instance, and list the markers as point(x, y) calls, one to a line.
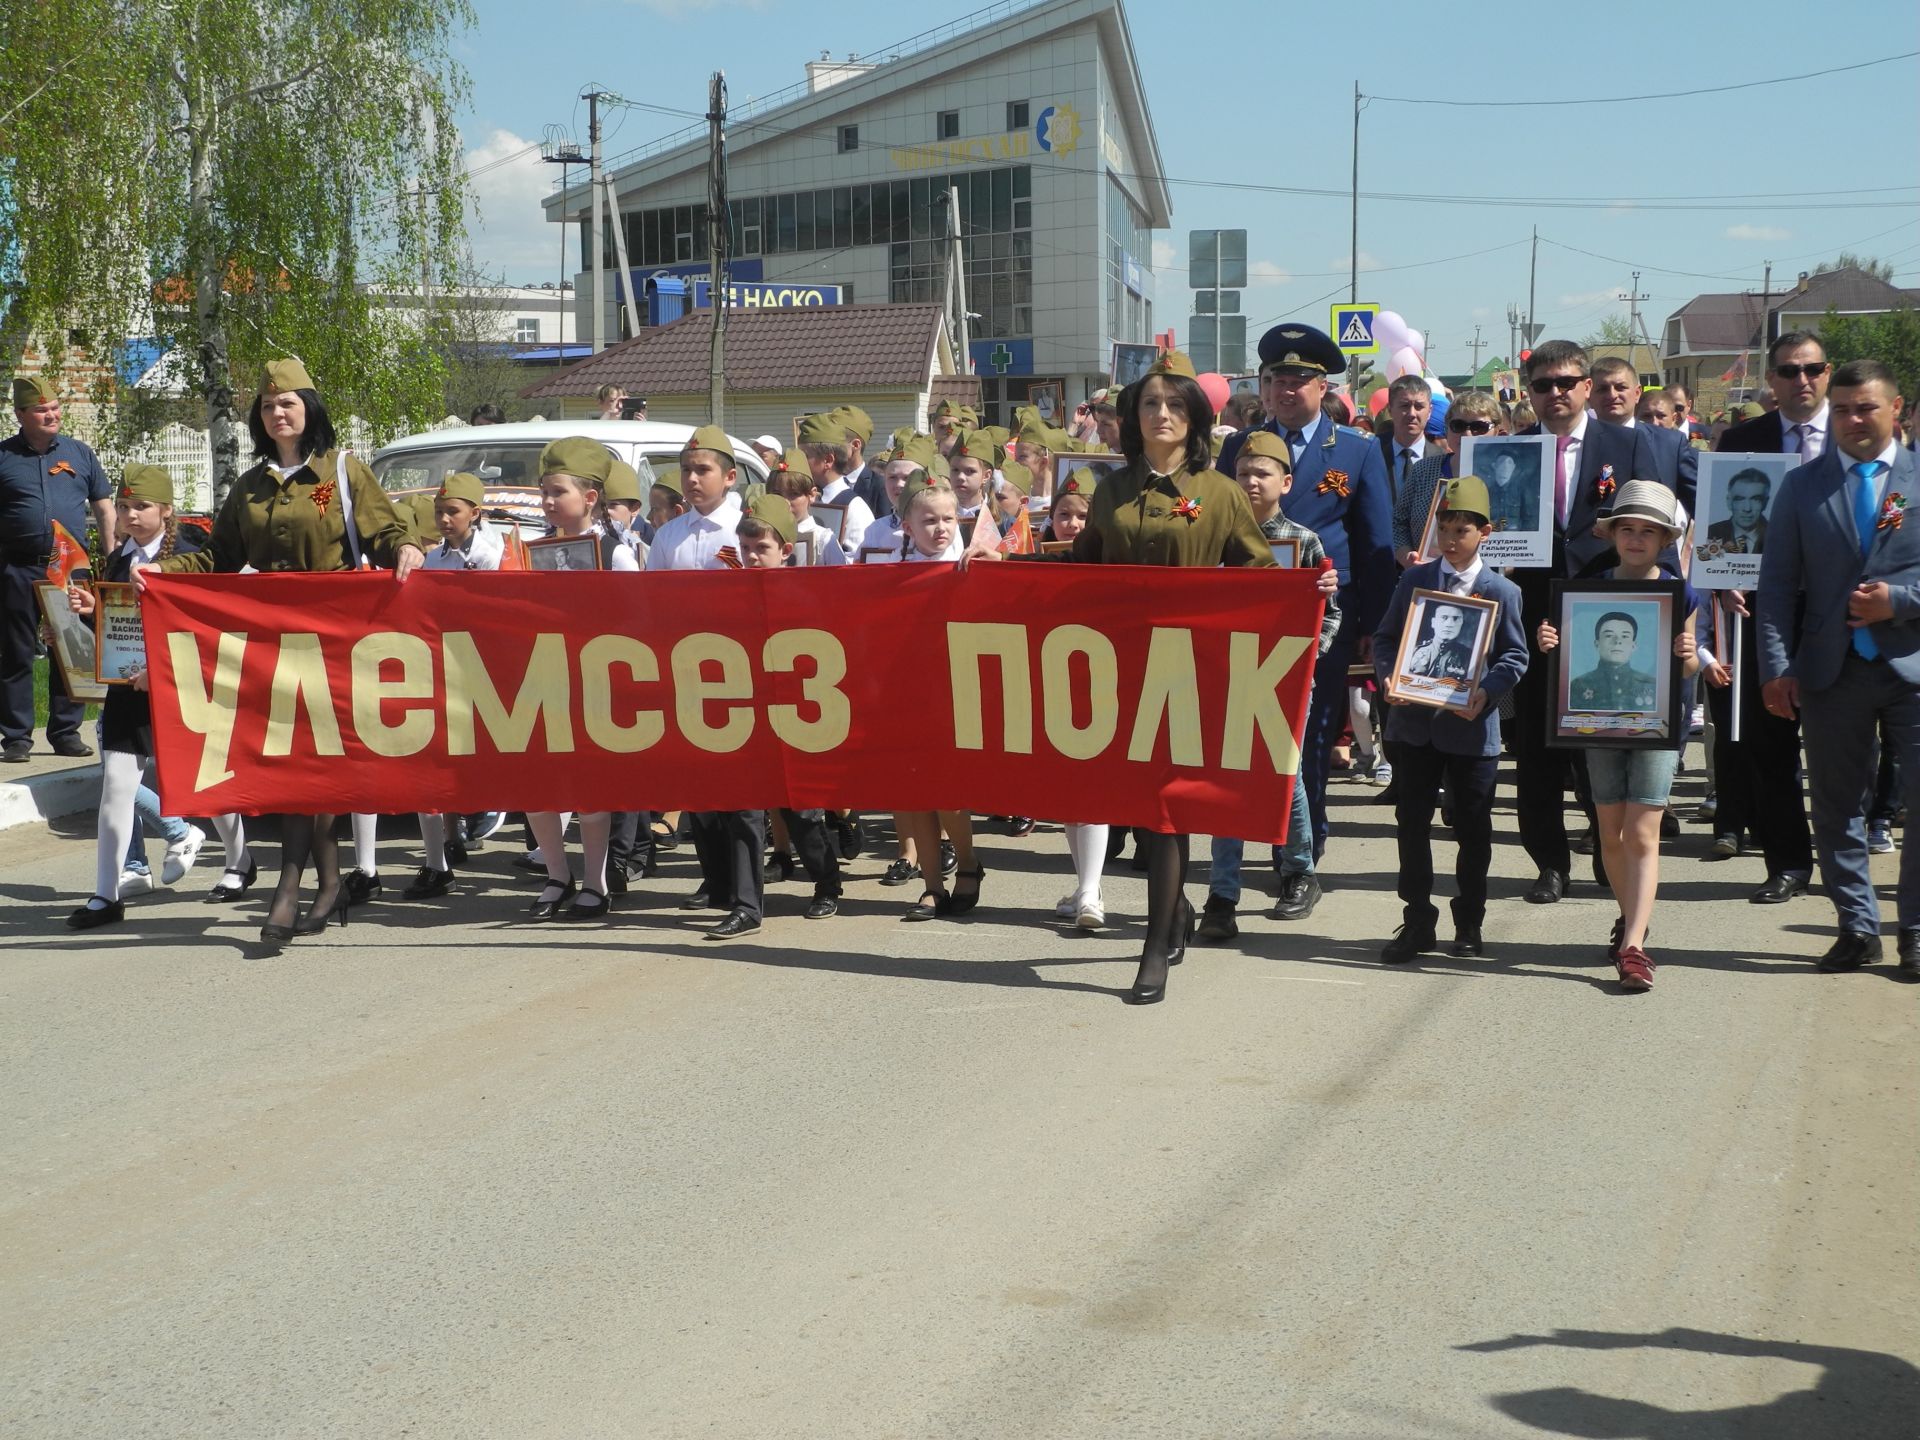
point(1103, 690)
point(1169, 689)
point(544, 693)
point(414, 731)
point(1253, 702)
point(692, 691)
point(822, 690)
point(597, 659)
point(300, 678)
point(208, 715)
point(967, 646)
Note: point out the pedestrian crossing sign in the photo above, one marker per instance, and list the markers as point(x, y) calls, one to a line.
point(1352, 327)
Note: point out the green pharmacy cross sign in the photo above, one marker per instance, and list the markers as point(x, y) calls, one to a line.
point(1001, 359)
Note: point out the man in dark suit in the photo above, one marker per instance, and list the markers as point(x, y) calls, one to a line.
point(1342, 494)
point(1757, 777)
point(1840, 641)
point(1409, 405)
point(1593, 458)
point(1616, 400)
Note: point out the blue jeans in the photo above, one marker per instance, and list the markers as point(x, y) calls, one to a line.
point(1293, 858)
point(146, 809)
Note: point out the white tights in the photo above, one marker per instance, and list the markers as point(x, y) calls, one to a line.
point(433, 841)
point(365, 857)
point(119, 780)
point(596, 833)
point(1360, 716)
point(1087, 844)
point(232, 830)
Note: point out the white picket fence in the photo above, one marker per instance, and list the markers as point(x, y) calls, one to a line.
point(187, 455)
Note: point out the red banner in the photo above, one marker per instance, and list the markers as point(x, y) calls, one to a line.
point(1167, 698)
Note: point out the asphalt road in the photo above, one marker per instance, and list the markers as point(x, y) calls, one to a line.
point(444, 1174)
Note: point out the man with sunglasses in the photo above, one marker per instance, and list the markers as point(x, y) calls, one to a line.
point(1341, 492)
point(1756, 778)
point(1593, 458)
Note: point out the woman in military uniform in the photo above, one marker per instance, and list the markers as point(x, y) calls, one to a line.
point(1168, 507)
point(307, 506)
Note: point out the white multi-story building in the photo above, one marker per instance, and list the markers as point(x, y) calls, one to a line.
point(1035, 114)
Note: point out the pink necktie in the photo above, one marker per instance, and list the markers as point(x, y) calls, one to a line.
point(1562, 483)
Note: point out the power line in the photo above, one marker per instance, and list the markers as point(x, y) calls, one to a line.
point(1665, 95)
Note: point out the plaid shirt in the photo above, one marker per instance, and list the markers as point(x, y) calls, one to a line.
point(1313, 556)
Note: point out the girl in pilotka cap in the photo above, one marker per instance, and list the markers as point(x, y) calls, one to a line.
point(143, 513)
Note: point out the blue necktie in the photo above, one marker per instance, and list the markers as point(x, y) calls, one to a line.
point(1864, 514)
point(1295, 439)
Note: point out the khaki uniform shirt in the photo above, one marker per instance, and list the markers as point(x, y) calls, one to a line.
point(1612, 687)
point(272, 523)
point(1135, 520)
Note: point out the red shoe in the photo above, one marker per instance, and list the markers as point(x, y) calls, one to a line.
point(1636, 970)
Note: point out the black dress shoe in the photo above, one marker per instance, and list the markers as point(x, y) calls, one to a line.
point(428, 883)
point(1407, 942)
point(779, 868)
point(823, 906)
point(362, 887)
point(1020, 825)
point(1548, 889)
point(699, 900)
point(16, 752)
point(617, 879)
point(1298, 895)
point(111, 912)
point(1910, 954)
point(233, 884)
point(1780, 888)
point(1466, 943)
point(71, 746)
point(545, 908)
point(589, 909)
point(949, 861)
point(1853, 949)
point(734, 926)
point(900, 872)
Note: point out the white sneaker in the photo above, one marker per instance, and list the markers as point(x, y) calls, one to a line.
point(1383, 773)
point(1092, 914)
point(181, 854)
point(1067, 907)
point(135, 882)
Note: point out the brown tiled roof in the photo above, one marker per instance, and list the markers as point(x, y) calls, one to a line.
point(1714, 324)
point(824, 348)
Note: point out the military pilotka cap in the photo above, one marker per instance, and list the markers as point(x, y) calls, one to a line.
point(667, 478)
point(1301, 347)
point(579, 457)
point(623, 483)
point(31, 390)
point(1015, 476)
point(853, 420)
point(1172, 362)
point(277, 376)
point(710, 437)
point(977, 445)
point(150, 483)
point(920, 450)
point(918, 483)
point(1080, 482)
point(463, 485)
point(822, 429)
point(776, 514)
point(1269, 446)
point(1468, 493)
point(794, 462)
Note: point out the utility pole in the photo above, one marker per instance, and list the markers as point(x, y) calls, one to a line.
point(1513, 330)
point(620, 254)
point(597, 241)
point(957, 278)
point(557, 148)
point(1353, 244)
point(1533, 270)
point(1478, 345)
point(1636, 327)
point(720, 232)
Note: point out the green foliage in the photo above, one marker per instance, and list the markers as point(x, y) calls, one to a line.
point(1846, 259)
point(1614, 330)
point(228, 174)
point(1892, 338)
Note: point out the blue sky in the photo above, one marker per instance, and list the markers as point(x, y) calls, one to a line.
point(1261, 94)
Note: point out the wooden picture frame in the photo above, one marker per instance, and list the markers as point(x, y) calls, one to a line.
point(832, 518)
point(73, 649)
point(1597, 696)
point(119, 644)
point(1286, 553)
point(803, 551)
point(561, 553)
point(1049, 397)
point(1428, 545)
point(1438, 664)
point(877, 554)
point(1054, 547)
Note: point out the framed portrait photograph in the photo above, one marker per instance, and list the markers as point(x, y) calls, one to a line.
point(1429, 541)
point(1519, 471)
point(1735, 496)
point(1054, 547)
point(803, 553)
point(1098, 466)
point(119, 644)
point(564, 552)
point(831, 518)
point(73, 649)
point(1049, 397)
point(1443, 649)
point(1131, 362)
point(1286, 553)
point(1614, 679)
point(877, 554)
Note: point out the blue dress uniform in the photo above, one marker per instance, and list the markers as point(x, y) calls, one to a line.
point(37, 487)
point(1341, 492)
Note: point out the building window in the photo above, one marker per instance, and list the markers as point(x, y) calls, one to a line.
point(526, 330)
point(849, 138)
point(947, 125)
point(1016, 115)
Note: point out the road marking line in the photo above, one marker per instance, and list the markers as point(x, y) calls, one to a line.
point(972, 1009)
point(1313, 980)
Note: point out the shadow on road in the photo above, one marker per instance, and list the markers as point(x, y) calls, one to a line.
point(1860, 1395)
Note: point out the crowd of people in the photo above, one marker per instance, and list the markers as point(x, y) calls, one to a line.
point(1831, 633)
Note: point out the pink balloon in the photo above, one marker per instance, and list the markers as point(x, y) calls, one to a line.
point(1377, 401)
point(1217, 388)
point(1403, 362)
point(1389, 332)
point(1417, 343)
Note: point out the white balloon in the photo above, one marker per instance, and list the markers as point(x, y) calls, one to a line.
point(1403, 362)
point(1417, 343)
point(1433, 384)
point(1389, 332)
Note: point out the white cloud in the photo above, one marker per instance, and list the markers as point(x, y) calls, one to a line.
point(1344, 262)
point(1480, 312)
point(1585, 299)
point(1265, 272)
point(506, 226)
point(1165, 253)
point(1758, 232)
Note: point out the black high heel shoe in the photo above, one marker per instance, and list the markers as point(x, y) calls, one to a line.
point(959, 902)
point(1179, 952)
point(224, 893)
point(316, 920)
point(545, 909)
point(277, 936)
point(1139, 994)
